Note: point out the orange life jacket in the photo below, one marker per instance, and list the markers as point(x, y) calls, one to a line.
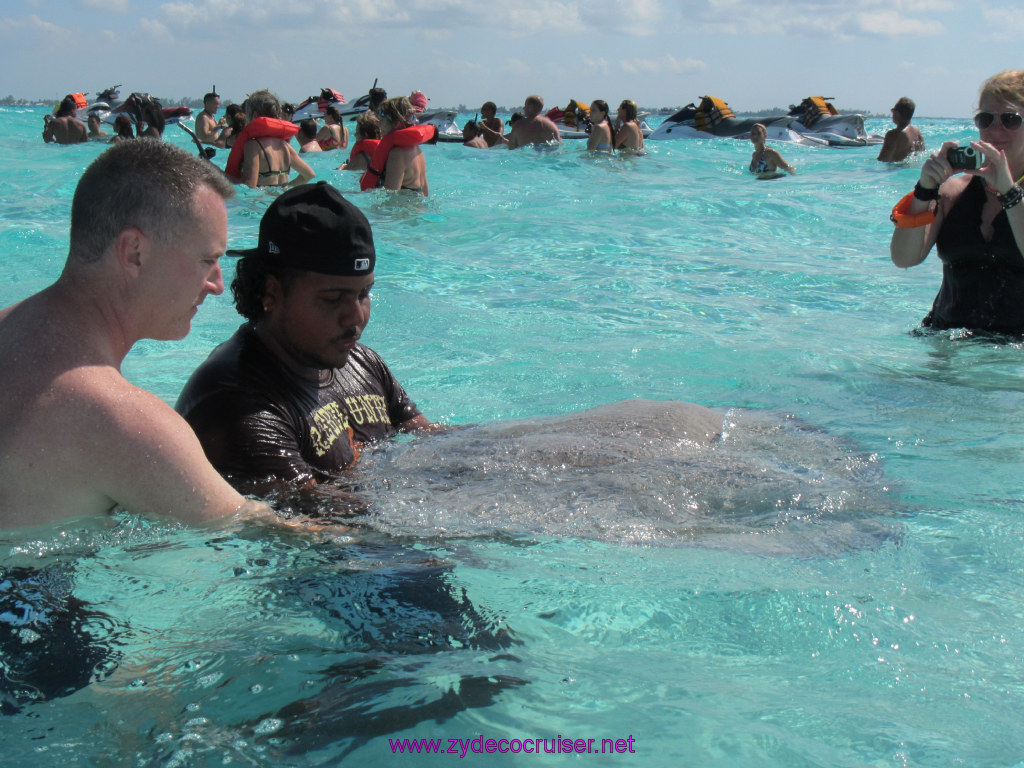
point(403, 137)
point(712, 111)
point(257, 128)
point(368, 146)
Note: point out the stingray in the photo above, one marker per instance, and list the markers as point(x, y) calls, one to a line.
point(638, 472)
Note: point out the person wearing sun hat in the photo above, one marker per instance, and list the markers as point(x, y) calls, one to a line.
point(293, 395)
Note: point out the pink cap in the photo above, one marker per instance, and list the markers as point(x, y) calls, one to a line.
point(418, 101)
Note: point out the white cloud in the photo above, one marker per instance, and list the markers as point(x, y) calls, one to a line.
point(841, 19)
point(517, 68)
point(662, 65)
point(1004, 23)
point(596, 66)
point(156, 30)
point(313, 16)
point(892, 24)
point(51, 33)
point(111, 6)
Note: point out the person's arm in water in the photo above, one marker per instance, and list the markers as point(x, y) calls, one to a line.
point(422, 425)
point(306, 173)
point(142, 456)
point(777, 160)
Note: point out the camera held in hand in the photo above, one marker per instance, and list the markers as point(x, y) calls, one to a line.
point(964, 158)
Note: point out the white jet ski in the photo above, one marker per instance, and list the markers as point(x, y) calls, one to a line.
point(813, 122)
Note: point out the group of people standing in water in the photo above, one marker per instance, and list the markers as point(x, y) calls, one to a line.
point(972, 215)
point(625, 134)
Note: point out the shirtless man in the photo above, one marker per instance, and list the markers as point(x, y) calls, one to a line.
point(65, 127)
point(471, 136)
point(95, 132)
point(148, 227)
point(534, 128)
point(905, 138)
point(207, 126)
point(491, 127)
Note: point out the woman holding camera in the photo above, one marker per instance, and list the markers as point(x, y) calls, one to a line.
point(968, 204)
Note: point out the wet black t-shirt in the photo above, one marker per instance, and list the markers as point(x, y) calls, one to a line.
point(982, 282)
point(257, 420)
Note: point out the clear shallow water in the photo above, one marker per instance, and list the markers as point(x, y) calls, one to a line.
point(533, 285)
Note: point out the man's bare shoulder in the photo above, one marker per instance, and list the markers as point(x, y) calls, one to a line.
point(86, 440)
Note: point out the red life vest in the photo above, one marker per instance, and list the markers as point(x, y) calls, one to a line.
point(257, 128)
point(367, 146)
point(403, 137)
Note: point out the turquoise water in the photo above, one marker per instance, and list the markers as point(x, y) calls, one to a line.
point(537, 284)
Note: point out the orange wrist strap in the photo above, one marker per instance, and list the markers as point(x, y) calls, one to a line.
point(901, 218)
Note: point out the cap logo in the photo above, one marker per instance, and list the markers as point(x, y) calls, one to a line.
point(361, 265)
point(272, 247)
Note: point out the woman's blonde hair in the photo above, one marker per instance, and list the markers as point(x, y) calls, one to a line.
point(398, 110)
point(1006, 86)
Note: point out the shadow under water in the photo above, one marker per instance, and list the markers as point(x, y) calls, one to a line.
point(638, 472)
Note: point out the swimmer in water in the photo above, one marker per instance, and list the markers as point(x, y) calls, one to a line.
point(533, 128)
point(405, 167)
point(64, 127)
point(292, 395)
point(766, 162)
point(491, 127)
point(148, 226)
point(600, 139)
point(629, 136)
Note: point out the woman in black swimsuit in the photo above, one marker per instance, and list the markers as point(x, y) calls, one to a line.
point(975, 218)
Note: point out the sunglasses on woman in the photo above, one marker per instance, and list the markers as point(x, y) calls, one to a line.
point(1011, 120)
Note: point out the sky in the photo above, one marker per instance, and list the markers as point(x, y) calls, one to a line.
point(754, 54)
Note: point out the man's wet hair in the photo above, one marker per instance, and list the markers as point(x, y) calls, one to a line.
point(144, 184)
point(68, 106)
point(905, 106)
point(249, 286)
point(308, 128)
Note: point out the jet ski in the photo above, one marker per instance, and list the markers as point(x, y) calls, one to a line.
point(444, 120)
point(316, 106)
point(814, 122)
point(106, 100)
point(109, 107)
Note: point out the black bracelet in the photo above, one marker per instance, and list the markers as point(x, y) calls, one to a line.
point(1013, 197)
point(923, 193)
